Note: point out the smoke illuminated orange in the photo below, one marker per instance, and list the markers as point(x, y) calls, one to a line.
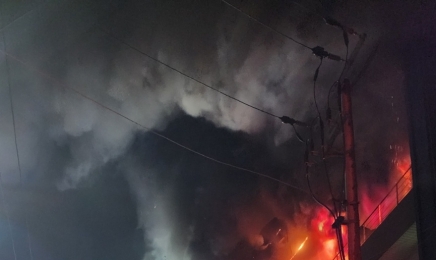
point(324, 234)
point(321, 243)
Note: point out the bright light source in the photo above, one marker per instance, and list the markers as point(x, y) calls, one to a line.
point(302, 244)
point(299, 248)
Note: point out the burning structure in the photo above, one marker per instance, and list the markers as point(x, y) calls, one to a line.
point(188, 208)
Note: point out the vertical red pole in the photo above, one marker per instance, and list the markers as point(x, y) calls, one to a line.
point(354, 251)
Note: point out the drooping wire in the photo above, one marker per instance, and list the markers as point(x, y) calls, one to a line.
point(12, 112)
point(337, 83)
point(341, 120)
point(29, 244)
point(3, 197)
point(312, 194)
point(337, 225)
point(265, 25)
point(338, 80)
point(297, 134)
point(340, 243)
point(317, 51)
point(329, 117)
point(284, 119)
point(321, 124)
point(184, 74)
point(333, 214)
point(336, 213)
point(346, 42)
point(148, 129)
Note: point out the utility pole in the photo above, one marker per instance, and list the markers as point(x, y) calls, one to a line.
point(353, 223)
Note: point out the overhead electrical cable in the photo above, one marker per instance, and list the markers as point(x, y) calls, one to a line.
point(297, 134)
point(337, 82)
point(284, 119)
point(150, 130)
point(329, 117)
point(29, 244)
point(265, 25)
point(186, 75)
point(321, 123)
point(317, 51)
point(12, 112)
point(340, 243)
point(345, 31)
point(310, 186)
point(338, 219)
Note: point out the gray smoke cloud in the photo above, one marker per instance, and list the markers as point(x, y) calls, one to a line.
point(59, 131)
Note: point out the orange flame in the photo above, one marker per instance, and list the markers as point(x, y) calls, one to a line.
point(300, 247)
point(322, 239)
point(324, 235)
point(302, 244)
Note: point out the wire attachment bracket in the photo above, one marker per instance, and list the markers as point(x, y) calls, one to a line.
point(320, 52)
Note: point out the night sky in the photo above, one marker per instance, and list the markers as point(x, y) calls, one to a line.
point(90, 184)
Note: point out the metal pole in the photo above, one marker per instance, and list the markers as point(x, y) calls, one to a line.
point(354, 251)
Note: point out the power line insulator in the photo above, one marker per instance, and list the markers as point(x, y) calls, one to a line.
point(287, 120)
point(320, 52)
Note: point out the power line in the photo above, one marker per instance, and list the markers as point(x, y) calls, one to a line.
point(316, 199)
point(329, 116)
point(184, 74)
point(317, 51)
point(58, 82)
point(284, 119)
point(12, 109)
point(337, 81)
point(10, 94)
point(322, 135)
point(336, 213)
point(337, 219)
point(266, 26)
point(15, 139)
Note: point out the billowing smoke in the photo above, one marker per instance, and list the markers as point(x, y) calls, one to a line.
point(62, 132)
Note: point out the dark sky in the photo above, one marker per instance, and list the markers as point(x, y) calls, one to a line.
point(95, 186)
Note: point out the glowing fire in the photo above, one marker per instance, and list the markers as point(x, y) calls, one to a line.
point(302, 244)
point(377, 201)
point(321, 243)
point(324, 235)
point(299, 248)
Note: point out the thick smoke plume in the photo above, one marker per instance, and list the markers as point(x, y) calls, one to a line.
point(66, 139)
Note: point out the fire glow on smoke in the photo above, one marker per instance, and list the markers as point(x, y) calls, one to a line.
point(322, 237)
point(318, 240)
point(387, 196)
